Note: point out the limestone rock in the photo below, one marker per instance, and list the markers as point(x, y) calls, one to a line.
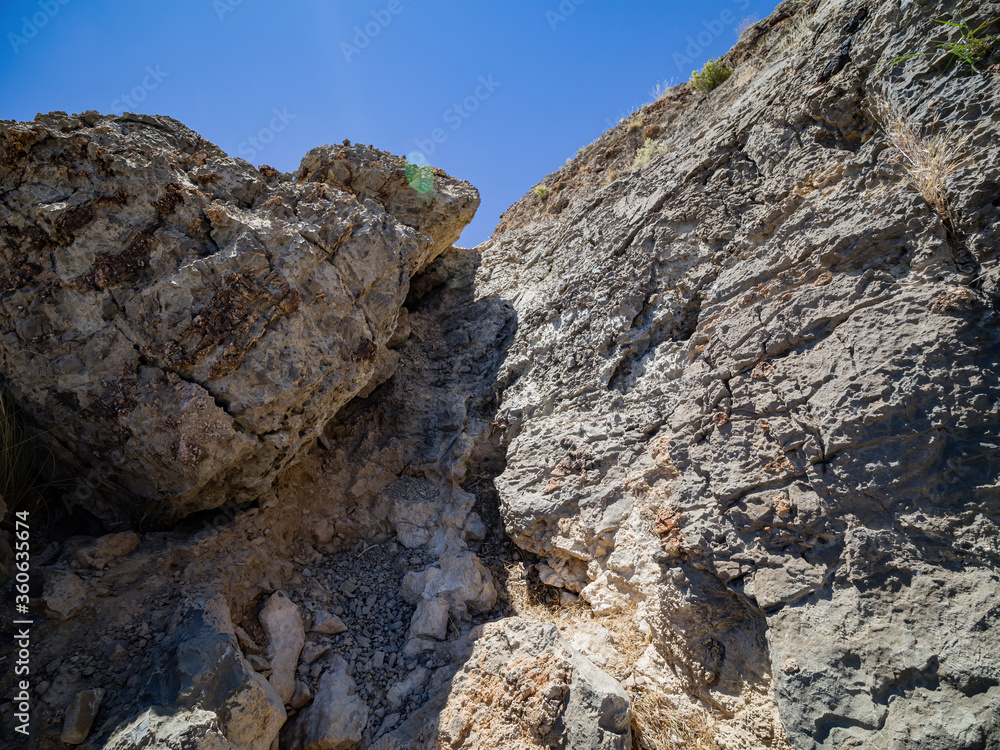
point(80, 715)
point(327, 624)
point(196, 729)
point(107, 549)
point(749, 387)
point(521, 685)
point(369, 174)
point(282, 623)
point(302, 695)
point(460, 578)
point(64, 594)
point(206, 681)
point(181, 325)
point(430, 620)
point(336, 718)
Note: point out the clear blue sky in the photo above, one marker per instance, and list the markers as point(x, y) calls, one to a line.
point(533, 81)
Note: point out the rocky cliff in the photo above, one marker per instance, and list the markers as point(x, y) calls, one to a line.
point(718, 406)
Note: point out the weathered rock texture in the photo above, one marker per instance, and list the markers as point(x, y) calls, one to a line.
point(521, 686)
point(743, 398)
point(183, 325)
point(754, 383)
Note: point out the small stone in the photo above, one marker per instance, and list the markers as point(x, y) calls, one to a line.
point(80, 715)
point(327, 624)
point(258, 663)
point(65, 594)
point(430, 619)
point(247, 644)
point(302, 695)
point(313, 651)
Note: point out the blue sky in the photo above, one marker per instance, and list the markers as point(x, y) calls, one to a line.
point(510, 90)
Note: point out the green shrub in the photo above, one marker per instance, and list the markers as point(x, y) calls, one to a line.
point(541, 191)
point(970, 47)
point(711, 76)
point(419, 176)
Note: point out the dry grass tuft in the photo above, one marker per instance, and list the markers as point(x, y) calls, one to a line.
point(22, 468)
point(745, 24)
point(649, 150)
point(793, 33)
point(657, 724)
point(930, 156)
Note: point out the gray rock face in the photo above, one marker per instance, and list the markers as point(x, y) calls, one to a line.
point(182, 325)
point(520, 685)
point(186, 730)
point(336, 718)
point(754, 385)
point(206, 674)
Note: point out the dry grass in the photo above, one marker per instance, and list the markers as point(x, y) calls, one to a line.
point(649, 150)
point(22, 468)
point(657, 724)
point(930, 156)
point(746, 72)
point(793, 33)
point(745, 24)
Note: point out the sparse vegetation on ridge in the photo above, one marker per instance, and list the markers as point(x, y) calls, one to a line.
point(970, 48)
point(710, 77)
point(649, 150)
point(929, 159)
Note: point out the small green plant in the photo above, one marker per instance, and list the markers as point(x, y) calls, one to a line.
point(420, 177)
point(970, 47)
point(542, 191)
point(713, 75)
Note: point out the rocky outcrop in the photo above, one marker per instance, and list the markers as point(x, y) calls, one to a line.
point(734, 377)
point(379, 497)
point(752, 380)
point(520, 685)
point(181, 325)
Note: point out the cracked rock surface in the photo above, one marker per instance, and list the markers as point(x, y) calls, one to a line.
point(181, 324)
point(741, 401)
point(754, 384)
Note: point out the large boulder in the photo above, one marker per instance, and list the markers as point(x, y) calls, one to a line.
point(336, 718)
point(179, 324)
point(204, 683)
